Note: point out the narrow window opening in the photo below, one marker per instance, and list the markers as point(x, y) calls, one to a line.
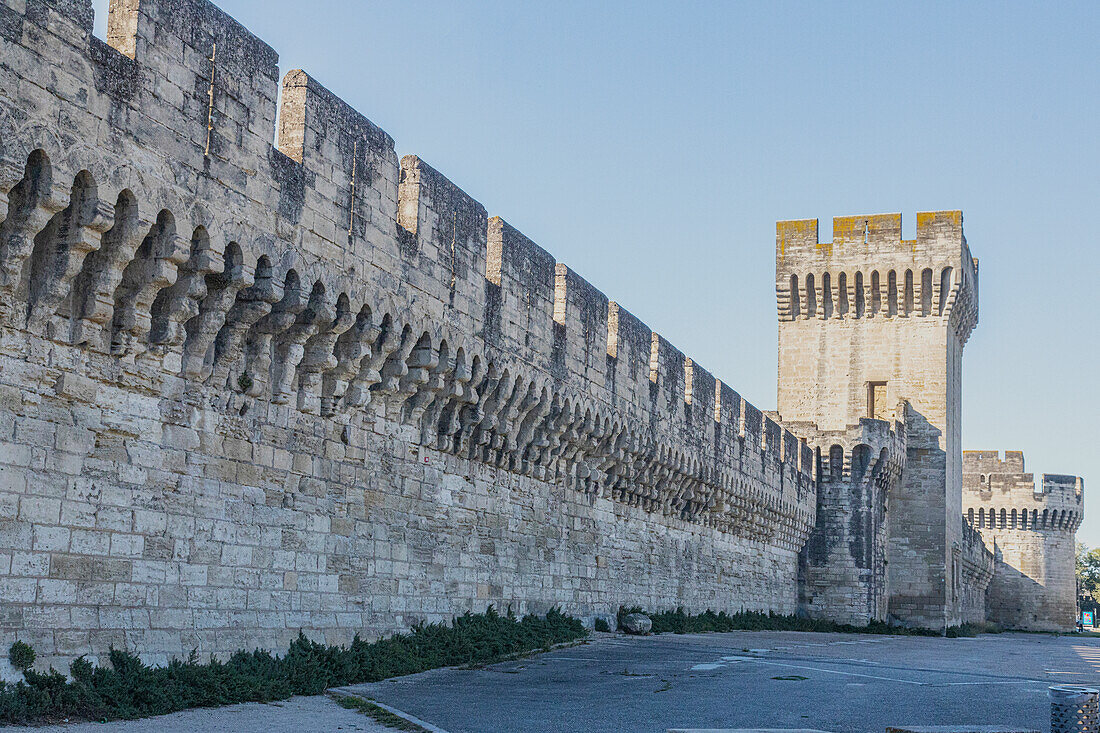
point(836, 462)
point(827, 295)
point(945, 288)
point(926, 292)
point(876, 293)
point(842, 294)
point(892, 294)
point(861, 304)
point(811, 297)
point(909, 292)
point(877, 404)
point(794, 298)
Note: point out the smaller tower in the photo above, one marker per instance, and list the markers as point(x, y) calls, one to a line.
point(1030, 531)
point(842, 568)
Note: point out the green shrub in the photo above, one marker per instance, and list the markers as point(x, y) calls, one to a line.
point(130, 689)
point(681, 622)
point(21, 655)
point(954, 632)
point(602, 625)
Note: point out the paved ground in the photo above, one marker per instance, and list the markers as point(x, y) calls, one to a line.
point(851, 683)
point(296, 715)
point(834, 682)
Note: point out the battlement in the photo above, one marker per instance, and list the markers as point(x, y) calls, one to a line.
point(998, 494)
point(870, 444)
point(990, 461)
point(868, 271)
point(871, 235)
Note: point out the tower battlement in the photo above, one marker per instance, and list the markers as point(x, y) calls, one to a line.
point(997, 493)
point(1030, 530)
point(868, 271)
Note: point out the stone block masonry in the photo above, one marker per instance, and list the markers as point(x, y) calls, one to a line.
point(1030, 529)
point(873, 326)
point(842, 568)
point(247, 390)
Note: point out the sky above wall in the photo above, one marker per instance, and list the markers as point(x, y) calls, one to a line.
point(651, 147)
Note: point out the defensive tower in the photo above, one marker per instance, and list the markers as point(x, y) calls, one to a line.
point(842, 568)
point(1030, 530)
point(873, 326)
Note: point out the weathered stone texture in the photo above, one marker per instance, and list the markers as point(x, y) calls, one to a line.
point(246, 390)
point(842, 568)
point(871, 325)
point(1030, 531)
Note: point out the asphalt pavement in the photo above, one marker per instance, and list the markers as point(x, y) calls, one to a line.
point(844, 683)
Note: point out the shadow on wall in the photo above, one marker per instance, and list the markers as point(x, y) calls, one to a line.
point(916, 517)
point(1015, 600)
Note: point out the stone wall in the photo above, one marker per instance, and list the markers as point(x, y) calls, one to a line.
point(1030, 531)
point(872, 318)
point(246, 390)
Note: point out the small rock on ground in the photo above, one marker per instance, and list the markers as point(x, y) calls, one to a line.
point(637, 623)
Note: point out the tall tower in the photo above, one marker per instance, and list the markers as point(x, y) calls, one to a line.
point(871, 325)
point(1030, 530)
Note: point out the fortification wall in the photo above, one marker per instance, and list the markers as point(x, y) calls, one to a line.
point(842, 568)
point(973, 570)
point(246, 390)
point(866, 322)
point(1030, 530)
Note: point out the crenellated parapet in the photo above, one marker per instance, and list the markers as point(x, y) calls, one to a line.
point(868, 271)
point(182, 251)
point(998, 494)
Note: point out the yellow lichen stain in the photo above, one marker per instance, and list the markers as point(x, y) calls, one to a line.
point(867, 228)
point(795, 230)
point(928, 218)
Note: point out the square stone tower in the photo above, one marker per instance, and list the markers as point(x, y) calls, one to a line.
point(871, 325)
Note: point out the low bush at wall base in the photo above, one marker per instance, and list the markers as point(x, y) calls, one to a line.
point(131, 689)
point(681, 622)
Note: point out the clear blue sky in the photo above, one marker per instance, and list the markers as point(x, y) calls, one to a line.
point(652, 147)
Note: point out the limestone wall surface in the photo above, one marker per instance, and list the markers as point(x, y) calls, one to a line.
point(247, 390)
point(869, 321)
point(1030, 530)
